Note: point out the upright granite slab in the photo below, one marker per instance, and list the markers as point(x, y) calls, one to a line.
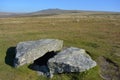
point(70, 60)
point(27, 52)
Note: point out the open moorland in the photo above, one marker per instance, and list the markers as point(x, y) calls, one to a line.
point(98, 33)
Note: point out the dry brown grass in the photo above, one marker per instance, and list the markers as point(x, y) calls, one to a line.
point(99, 35)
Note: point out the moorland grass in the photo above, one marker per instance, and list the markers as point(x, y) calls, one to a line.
point(100, 36)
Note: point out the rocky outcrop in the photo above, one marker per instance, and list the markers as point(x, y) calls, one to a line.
point(31, 50)
point(48, 61)
point(70, 60)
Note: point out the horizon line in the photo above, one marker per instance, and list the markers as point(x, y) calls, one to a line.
point(58, 9)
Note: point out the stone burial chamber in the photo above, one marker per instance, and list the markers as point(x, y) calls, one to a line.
point(48, 57)
point(27, 52)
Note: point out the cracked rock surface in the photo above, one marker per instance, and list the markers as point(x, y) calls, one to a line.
point(28, 51)
point(70, 60)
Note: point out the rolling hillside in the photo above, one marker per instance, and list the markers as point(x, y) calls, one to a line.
point(52, 12)
point(96, 32)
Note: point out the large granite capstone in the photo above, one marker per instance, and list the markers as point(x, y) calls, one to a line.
point(27, 52)
point(70, 60)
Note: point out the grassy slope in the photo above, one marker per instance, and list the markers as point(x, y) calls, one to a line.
point(98, 35)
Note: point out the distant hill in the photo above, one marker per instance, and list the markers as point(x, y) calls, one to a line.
point(7, 14)
point(41, 12)
point(49, 12)
point(55, 11)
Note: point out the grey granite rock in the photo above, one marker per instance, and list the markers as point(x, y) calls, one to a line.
point(70, 60)
point(27, 52)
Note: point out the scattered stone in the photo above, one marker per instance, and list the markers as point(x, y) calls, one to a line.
point(70, 60)
point(29, 51)
point(43, 70)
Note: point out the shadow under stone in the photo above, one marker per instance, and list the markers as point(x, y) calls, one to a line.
point(44, 59)
point(40, 64)
point(10, 56)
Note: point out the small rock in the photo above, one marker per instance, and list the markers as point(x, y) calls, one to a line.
point(43, 70)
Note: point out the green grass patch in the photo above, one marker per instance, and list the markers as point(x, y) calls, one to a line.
point(98, 35)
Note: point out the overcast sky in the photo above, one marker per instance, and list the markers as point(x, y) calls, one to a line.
point(35, 5)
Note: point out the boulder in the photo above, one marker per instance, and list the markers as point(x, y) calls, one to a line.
point(27, 52)
point(70, 60)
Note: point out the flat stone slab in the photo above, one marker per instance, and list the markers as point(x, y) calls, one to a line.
point(27, 52)
point(70, 60)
